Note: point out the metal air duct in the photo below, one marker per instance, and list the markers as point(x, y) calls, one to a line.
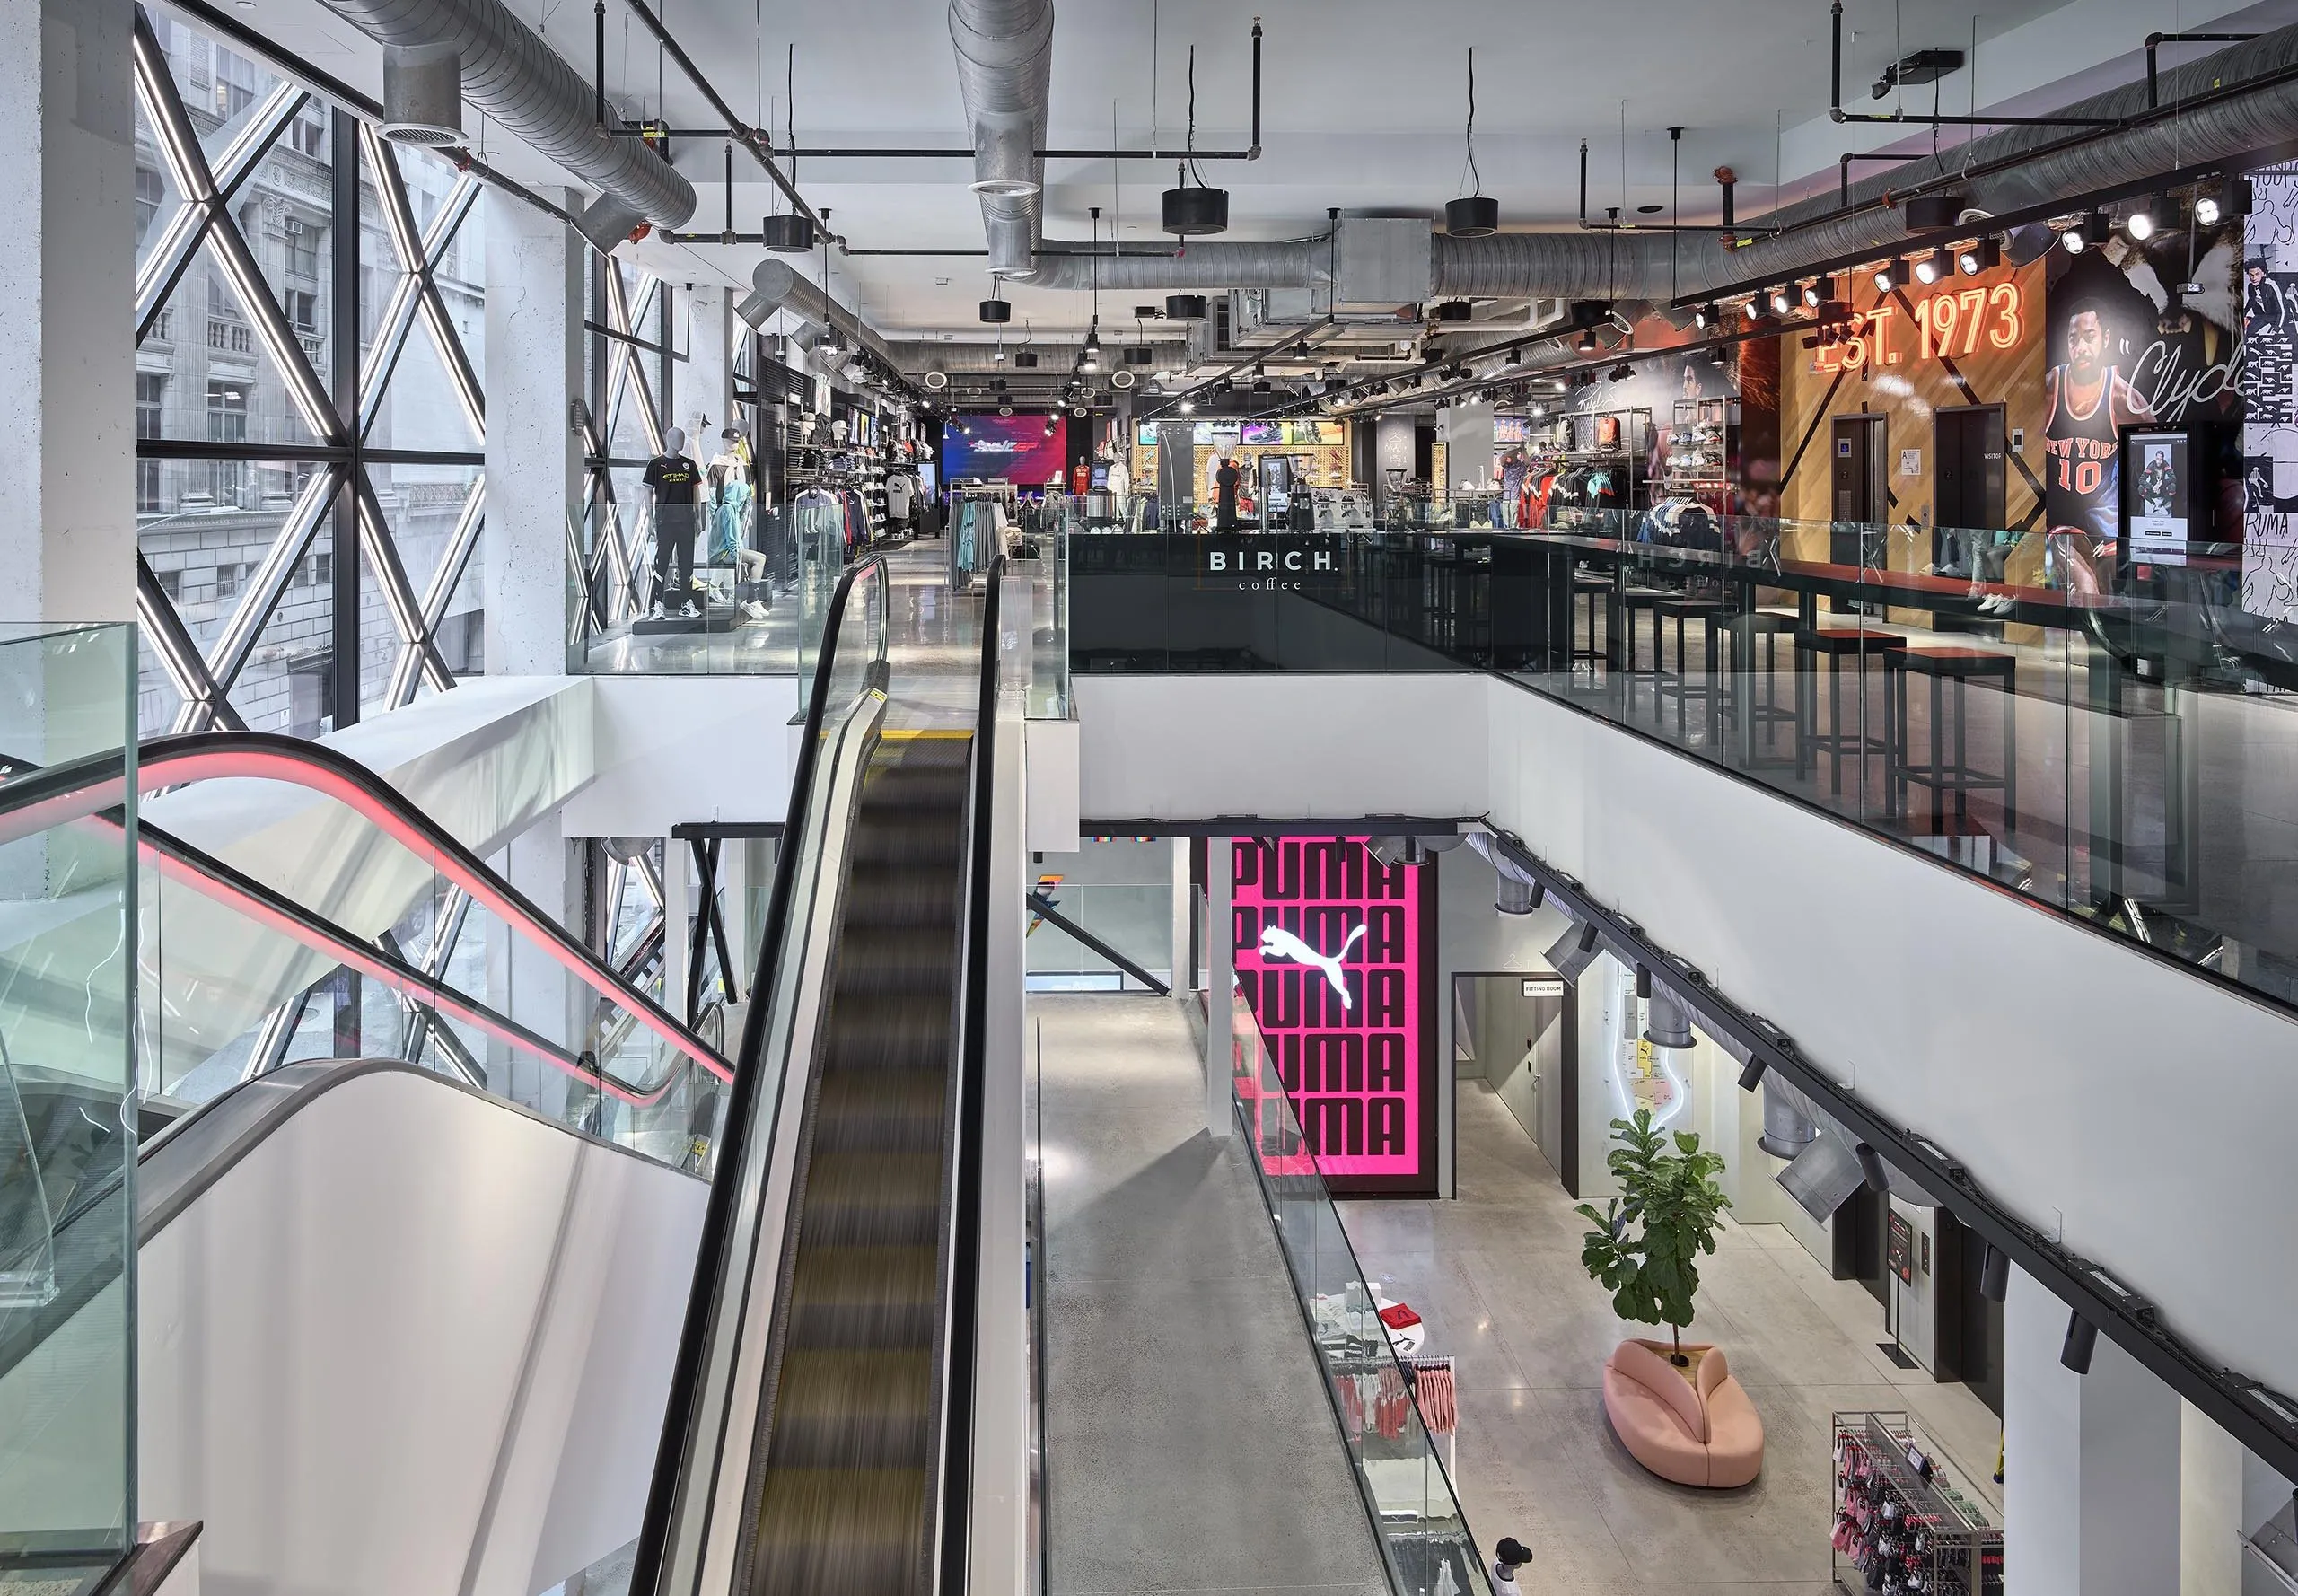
point(776, 285)
point(1788, 1126)
point(1005, 50)
point(1206, 266)
point(1667, 1022)
point(422, 94)
point(509, 73)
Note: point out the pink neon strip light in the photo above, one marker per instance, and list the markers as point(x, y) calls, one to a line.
point(178, 767)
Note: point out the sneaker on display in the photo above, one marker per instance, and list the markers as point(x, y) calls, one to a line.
point(655, 613)
point(687, 611)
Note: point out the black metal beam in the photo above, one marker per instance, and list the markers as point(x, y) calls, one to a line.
point(343, 672)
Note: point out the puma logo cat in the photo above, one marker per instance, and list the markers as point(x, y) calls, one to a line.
point(1276, 943)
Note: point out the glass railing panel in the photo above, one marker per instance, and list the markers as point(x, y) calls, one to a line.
point(1416, 1518)
point(724, 594)
point(2110, 737)
point(68, 1129)
point(238, 979)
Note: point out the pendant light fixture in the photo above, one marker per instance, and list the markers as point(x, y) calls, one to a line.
point(1474, 214)
point(1194, 211)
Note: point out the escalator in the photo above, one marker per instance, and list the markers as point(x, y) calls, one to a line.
point(848, 1464)
point(366, 1143)
point(821, 1427)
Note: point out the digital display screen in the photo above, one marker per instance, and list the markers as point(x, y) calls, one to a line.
point(2157, 466)
point(1335, 955)
point(1015, 449)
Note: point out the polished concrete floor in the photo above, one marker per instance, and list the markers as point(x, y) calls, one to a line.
point(1496, 1276)
point(1189, 1443)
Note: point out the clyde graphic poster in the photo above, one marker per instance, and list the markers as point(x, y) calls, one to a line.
point(2123, 347)
point(1016, 449)
point(1335, 955)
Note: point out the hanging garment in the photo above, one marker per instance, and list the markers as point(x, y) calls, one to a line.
point(1432, 1385)
point(967, 515)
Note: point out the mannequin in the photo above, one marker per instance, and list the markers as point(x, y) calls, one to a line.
point(1120, 481)
point(674, 484)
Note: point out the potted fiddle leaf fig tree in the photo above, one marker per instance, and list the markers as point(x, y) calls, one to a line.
point(1646, 1244)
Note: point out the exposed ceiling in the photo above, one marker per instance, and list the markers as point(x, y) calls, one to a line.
point(1362, 108)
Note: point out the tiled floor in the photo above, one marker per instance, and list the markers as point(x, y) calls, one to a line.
point(1189, 1443)
point(1497, 1275)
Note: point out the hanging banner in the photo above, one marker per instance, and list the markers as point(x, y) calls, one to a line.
point(1335, 955)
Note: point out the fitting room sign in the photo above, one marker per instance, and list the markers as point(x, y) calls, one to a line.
point(1335, 955)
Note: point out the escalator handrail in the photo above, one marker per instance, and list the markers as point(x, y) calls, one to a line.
point(710, 1261)
point(956, 1496)
point(81, 788)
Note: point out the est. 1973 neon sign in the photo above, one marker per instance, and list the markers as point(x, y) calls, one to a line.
point(1953, 323)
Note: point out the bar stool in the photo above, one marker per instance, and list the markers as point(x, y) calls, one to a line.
point(1677, 683)
point(1623, 611)
point(1595, 590)
point(1942, 775)
point(1743, 634)
point(1836, 643)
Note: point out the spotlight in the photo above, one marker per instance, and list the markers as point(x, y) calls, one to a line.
point(2159, 214)
point(1995, 1274)
point(1588, 937)
point(1934, 267)
point(1621, 373)
point(1708, 317)
point(1188, 407)
point(1644, 981)
point(1715, 356)
point(1985, 255)
point(1817, 293)
point(1893, 274)
point(1872, 1169)
point(1587, 344)
point(1782, 301)
point(2230, 198)
point(1751, 1076)
point(1755, 309)
point(996, 310)
point(2082, 1340)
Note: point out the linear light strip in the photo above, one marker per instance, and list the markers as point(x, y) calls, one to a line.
point(183, 766)
point(229, 654)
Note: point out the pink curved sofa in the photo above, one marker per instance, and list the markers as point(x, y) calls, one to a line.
point(1703, 1435)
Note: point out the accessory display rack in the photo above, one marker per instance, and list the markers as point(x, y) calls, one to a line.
point(1906, 1521)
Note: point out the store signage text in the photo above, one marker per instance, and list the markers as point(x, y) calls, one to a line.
point(1953, 324)
point(1331, 955)
point(1274, 562)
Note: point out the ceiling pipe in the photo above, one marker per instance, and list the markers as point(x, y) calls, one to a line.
point(2010, 171)
point(519, 81)
point(1005, 50)
point(1055, 357)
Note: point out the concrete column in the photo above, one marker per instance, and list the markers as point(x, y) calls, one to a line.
point(1220, 984)
point(68, 365)
point(534, 452)
point(2210, 1507)
point(2091, 1482)
point(1392, 448)
point(1468, 455)
point(706, 380)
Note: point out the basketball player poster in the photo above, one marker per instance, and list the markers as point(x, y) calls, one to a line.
point(2126, 347)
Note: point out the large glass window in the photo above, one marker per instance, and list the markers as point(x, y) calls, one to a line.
point(236, 302)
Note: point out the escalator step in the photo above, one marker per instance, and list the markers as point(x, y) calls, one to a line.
point(904, 1032)
point(872, 1199)
point(845, 1409)
point(841, 1530)
point(862, 1297)
point(882, 1108)
point(875, 959)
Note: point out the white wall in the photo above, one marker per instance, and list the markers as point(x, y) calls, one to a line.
point(1281, 747)
point(672, 748)
point(2087, 1087)
point(414, 1341)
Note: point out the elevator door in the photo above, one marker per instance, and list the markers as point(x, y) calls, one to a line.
point(1967, 483)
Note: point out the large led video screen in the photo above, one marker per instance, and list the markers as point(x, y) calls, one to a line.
point(1016, 449)
point(1336, 954)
